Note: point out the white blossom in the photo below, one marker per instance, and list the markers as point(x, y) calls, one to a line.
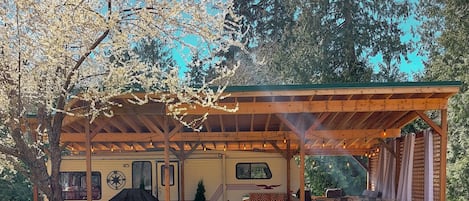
point(61, 50)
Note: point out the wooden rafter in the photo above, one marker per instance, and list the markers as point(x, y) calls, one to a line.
point(130, 122)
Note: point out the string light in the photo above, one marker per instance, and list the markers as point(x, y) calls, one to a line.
point(348, 164)
point(131, 147)
point(265, 144)
point(151, 142)
point(384, 133)
point(224, 147)
point(112, 148)
point(344, 146)
point(377, 149)
point(244, 147)
point(284, 140)
point(323, 143)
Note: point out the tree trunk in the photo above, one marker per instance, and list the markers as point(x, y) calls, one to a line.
point(56, 188)
point(351, 61)
point(55, 155)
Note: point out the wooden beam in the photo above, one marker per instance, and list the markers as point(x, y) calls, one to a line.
point(267, 122)
point(388, 147)
point(317, 122)
point(391, 124)
point(289, 124)
point(364, 166)
point(330, 91)
point(222, 125)
point(145, 109)
point(405, 119)
point(175, 130)
point(279, 150)
point(231, 136)
point(326, 106)
point(336, 151)
point(150, 125)
point(354, 133)
point(429, 121)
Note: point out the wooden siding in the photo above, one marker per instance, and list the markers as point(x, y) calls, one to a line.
point(418, 177)
point(436, 167)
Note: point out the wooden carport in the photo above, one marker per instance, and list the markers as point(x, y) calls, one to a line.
point(326, 119)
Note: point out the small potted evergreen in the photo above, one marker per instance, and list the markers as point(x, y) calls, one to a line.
point(200, 195)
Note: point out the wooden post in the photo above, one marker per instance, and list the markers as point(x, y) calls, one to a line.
point(302, 166)
point(167, 196)
point(88, 161)
point(181, 186)
point(288, 159)
point(443, 149)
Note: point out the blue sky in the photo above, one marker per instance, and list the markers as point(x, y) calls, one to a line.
point(415, 63)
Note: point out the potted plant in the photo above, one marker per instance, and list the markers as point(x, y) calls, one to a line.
point(200, 194)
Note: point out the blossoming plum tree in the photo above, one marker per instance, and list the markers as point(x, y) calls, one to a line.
point(53, 52)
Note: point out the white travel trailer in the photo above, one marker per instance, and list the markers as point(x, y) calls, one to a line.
point(226, 175)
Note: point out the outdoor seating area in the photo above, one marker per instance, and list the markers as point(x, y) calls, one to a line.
point(315, 120)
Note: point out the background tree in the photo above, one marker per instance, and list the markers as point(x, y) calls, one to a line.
point(389, 72)
point(445, 32)
point(335, 172)
point(54, 52)
point(332, 41)
point(305, 42)
point(153, 52)
point(14, 187)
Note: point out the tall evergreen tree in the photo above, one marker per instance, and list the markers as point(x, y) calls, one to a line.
point(153, 51)
point(310, 41)
point(333, 40)
point(445, 34)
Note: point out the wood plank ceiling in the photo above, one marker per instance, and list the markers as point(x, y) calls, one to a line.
point(346, 119)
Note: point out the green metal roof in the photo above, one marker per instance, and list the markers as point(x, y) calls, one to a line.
point(340, 85)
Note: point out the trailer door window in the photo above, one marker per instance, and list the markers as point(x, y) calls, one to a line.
point(141, 175)
point(74, 185)
point(253, 171)
point(171, 175)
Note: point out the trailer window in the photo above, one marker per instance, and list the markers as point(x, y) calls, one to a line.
point(74, 185)
point(141, 175)
point(171, 175)
point(253, 171)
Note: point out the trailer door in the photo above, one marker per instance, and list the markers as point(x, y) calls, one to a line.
point(173, 179)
